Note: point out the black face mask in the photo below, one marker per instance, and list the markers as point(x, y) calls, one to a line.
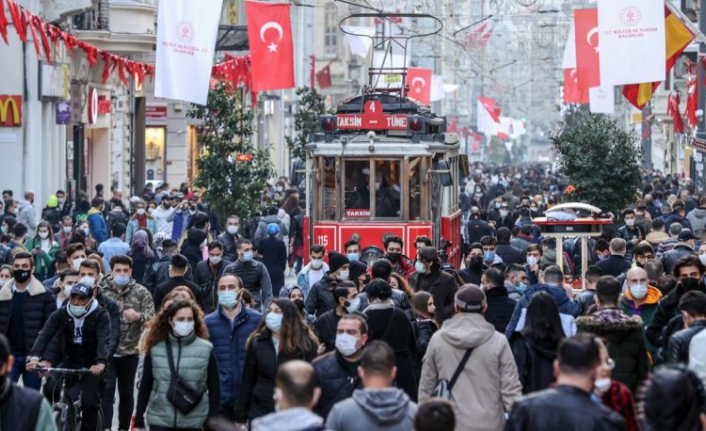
point(691, 284)
point(476, 262)
point(394, 257)
point(300, 304)
point(21, 275)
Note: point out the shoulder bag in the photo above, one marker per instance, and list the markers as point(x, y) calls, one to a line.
point(180, 393)
point(443, 387)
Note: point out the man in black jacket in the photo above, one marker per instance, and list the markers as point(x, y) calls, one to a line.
point(693, 309)
point(500, 306)
point(441, 285)
point(337, 371)
point(477, 228)
point(230, 237)
point(158, 272)
point(570, 404)
point(346, 297)
point(273, 254)
point(177, 268)
point(615, 264)
point(25, 306)
point(509, 254)
point(89, 273)
point(84, 328)
point(208, 273)
point(320, 299)
point(253, 274)
point(475, 267)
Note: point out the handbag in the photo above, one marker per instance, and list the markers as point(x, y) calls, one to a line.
point(443, 387)
point(180, 393)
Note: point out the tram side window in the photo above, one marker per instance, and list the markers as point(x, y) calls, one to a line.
point(356, 189)
point(330, 198)
point(387, 189)
point(415, 189)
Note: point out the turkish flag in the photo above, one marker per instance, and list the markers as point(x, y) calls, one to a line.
point(587, 59)
point(323, 77)
point(572, 92)
point(271, 47)
point(419, 83)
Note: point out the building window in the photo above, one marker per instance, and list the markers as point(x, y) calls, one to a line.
point(331, 30)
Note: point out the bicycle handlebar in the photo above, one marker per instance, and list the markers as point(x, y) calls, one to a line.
point(63, 370)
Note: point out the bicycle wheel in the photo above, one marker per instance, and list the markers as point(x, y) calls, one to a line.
point(56, 418)
point(100, 426)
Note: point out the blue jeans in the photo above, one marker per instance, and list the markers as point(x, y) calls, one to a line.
point(29, 379)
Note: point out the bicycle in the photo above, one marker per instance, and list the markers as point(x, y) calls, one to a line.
point(67, 414)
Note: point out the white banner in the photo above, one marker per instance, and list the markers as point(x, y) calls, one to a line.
point(186, 41)
point(570, 50)
point(360, 39)
point(602, 100)
point(631, 41)
point(437, 88)
point(485, 122)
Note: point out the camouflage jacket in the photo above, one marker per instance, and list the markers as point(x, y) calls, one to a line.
point(138, 298)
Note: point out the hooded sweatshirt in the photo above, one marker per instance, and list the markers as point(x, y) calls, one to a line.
point(78, 321)
point(295, 419)
point(387, 409)
point(697, 218)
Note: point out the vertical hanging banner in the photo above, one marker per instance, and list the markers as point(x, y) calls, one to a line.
point(271, 46)
point(632, 41)
point(569, 61)
point(572, 92)
point(588, 71)
point(419, 81)
point(186, 38)
point(602, 100)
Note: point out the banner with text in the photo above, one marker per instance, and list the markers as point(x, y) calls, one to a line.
point(186, 38)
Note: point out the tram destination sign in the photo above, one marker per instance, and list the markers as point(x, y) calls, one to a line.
point(372, 118)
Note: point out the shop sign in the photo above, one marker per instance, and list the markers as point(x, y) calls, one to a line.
point(10, 111)
point(92, 105)
point(156, 112)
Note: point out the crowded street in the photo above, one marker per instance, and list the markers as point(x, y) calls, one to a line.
point(347, 215)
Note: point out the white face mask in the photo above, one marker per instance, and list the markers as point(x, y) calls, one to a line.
point(215, 259)
point(602, 385)
point(346, 344)
point(67, 229)
point(503, 213)
point(140, 211)
point(702, 258)
point(317, 263)
point(182, 329)
point(630, 222)
point(639, 291)
point(85, 230)
point(353, 305)
point(273, 321)
point(343, 275)
point(232, 229)
point(88, 280)
point(76, 263)
point(43, 235)
point(531, 260)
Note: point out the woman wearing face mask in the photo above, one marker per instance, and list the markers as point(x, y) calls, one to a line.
point(280, 337)
point(295, 294)
point(432, 279)
point(142, 254)
point(43, 249)
point(141, 219)
point(613, 394)
point(424, 326)
point(82, 234)
point(347, 301)
point(178, 341)
point(534, 348)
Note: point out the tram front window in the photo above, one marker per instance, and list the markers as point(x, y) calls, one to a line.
point(387, 189)
point(356, 189)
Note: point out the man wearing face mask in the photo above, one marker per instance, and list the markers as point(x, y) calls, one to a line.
point(475, 267)
point(347, 301)
point(684, 247)
point(182, 218)
point(689, 271)
point(393, 252)
point(25, 307)
point(253, 274)
point(337, 370)
point(164, 215)
point(631, 232)
point(441, 285)
point(83, 328)
point(208, 272)
point(641, 299)
point(136, 309)
point(476, 228)
point(624, 334)
point(229, 328)
point(230, 237)
point(320, 299)
point(178, 265)
point(314, 271)
point(578, 367)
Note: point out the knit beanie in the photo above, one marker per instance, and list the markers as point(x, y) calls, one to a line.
point(336, 261)
point(358, 268)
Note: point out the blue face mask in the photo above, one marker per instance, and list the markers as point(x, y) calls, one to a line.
point(353, 256)
point(489, 256)
point(228, 298)
point(601, 257)
point(273, 321)
point(247, 256)
point(522, 288)
point(121, 280)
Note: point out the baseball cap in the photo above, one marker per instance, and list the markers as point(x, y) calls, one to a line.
point(81, 290)
point(686, 235)
point(470, 298)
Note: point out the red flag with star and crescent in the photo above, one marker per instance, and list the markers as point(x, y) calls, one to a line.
point(419, 83)
point(271, 46)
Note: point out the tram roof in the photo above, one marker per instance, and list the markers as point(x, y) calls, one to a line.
point(386, 146)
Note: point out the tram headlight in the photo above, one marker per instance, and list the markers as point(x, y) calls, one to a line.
point(328, 123)
point(415, 124)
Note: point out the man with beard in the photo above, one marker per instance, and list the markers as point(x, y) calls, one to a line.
point(393, 252)
point(475, 267)
point(689, 271)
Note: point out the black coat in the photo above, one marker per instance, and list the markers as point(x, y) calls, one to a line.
point(336, 379)
point(535, 362)
point(667, 308)
point(442, 287)
point(320, 299)
point(274, 257)
point(173, 283)
point(158, 273)
point(677, 351)
point(392, 325)
point(326, 327)
point(614, 265)
point(563, 408)
point(40, 304)
point(140, 263)
point(500, 308)
point(229, 252)
point(258, 385)
point(509, 254)
point(476, 229)
point(191, 249)
point(423, 330)
point(208, 283)
point(472, 276)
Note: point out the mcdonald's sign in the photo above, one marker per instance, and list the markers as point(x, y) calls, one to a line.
point(10, 111)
